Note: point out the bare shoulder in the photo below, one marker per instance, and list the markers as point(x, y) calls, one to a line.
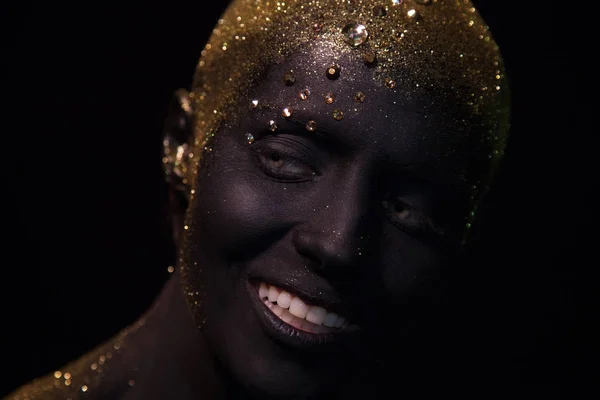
point(100, 374)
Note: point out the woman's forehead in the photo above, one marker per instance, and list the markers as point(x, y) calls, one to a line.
point(428, 49)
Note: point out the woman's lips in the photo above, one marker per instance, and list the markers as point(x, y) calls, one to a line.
point(292, 310)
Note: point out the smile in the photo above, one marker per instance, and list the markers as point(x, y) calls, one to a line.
point(299, 314)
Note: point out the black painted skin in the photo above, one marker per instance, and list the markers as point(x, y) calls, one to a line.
point(365, 213)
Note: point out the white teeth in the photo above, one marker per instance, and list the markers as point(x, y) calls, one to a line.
point(339, 322)
point(330, 319)
point(284, 300)
point(263, 291)
point(294, 311)
point(273, 294)
point(298, 308)
point(287, 317)
point(277, 310)
point(316, 315)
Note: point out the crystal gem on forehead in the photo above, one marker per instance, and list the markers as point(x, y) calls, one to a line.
point(379, 11)
point(333, 72)
point(396, 2)
point(272, 125)
point(249, 138)
point(369, 58)
point(338, 114)
point(254, 104)
point(311, 126)
point(304, 94)
point(355, 34)
point(329, 98)
point(414, 14)
point(289, 79)
point(286, 112)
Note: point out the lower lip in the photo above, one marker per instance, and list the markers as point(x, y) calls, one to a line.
point(286, 334)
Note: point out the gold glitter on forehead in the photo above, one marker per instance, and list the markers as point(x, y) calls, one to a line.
point(437, 48)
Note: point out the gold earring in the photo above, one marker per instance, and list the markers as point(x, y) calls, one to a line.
point(176, 150)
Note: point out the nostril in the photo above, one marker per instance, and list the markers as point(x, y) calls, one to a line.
point(327, 252)
point(307, 246)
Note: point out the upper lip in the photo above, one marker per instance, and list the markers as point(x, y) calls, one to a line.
point(312, 291)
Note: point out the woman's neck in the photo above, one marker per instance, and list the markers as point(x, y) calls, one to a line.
point(171, 358)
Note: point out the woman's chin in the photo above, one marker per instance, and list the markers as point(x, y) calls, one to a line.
point(241, 337)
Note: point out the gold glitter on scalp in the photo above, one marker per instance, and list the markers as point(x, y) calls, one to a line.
point(426, 60)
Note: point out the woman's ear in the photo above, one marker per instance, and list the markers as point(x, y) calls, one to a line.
point(177, 136)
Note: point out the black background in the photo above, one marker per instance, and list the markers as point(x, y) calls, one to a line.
point(85, 88)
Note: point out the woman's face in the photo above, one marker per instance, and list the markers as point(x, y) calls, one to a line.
point(343, 220)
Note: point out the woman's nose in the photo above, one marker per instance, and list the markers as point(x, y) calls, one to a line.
point(337, 235)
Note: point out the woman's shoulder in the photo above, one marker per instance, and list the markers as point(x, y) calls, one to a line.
point(98, 374)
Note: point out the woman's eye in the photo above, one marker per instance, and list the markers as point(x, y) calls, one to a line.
point(397, 209)
point(282, 166)
point(410, 219)
point(275, 160)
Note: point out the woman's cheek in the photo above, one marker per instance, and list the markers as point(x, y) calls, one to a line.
point(242, 208)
